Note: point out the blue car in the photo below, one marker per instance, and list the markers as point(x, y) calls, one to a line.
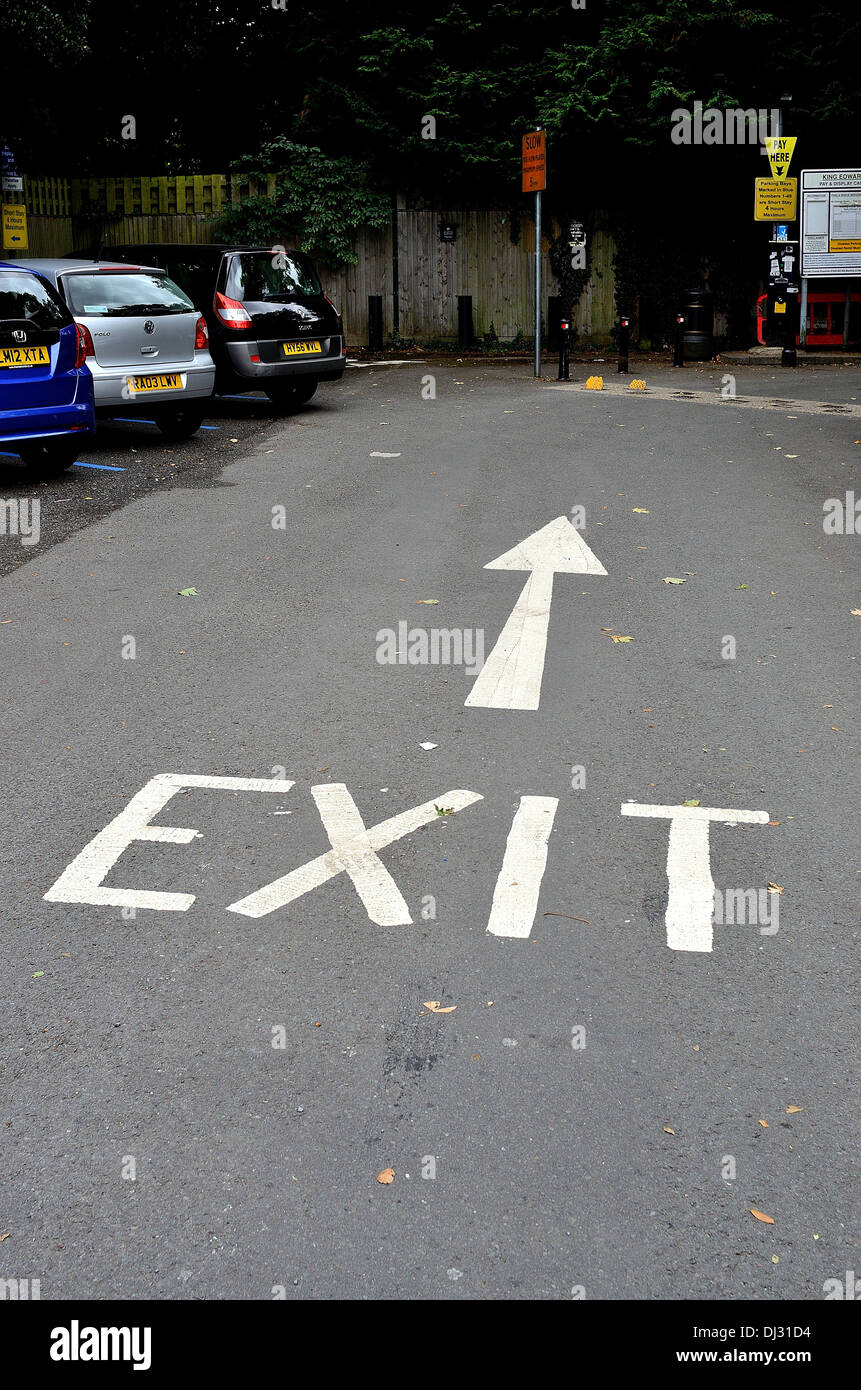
point(47, 412)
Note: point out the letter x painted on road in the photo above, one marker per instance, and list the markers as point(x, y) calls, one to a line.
point(354, 852)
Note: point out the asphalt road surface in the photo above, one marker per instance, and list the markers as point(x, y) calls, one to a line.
point(200, 1102)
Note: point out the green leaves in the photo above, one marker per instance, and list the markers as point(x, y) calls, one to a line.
point(319, 203)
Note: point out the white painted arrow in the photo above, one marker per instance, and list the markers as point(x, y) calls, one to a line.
point(511, 676)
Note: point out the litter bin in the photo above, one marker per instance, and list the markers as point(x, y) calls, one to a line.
point(699, 343)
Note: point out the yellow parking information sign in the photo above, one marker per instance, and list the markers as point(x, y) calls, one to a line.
point(14, 227)
point(779, 149)
point(776, 200)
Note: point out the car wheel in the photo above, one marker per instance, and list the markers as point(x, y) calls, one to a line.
point(287, 395)
point(52, 458)
point(180, 424)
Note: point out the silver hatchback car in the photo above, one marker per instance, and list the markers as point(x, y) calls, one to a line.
point(147, 346)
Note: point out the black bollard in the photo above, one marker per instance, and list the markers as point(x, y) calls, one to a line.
point(679, 354)
point(564, 344)
point(624, 336)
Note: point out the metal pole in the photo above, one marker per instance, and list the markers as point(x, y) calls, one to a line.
point(847, 304)
point(802, 330)
point(537, 284)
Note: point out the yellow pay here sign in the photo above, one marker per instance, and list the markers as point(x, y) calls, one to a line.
point(14, 227)
point(779, 149)
point(776, 200)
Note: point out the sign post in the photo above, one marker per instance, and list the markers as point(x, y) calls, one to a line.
point(534, 169)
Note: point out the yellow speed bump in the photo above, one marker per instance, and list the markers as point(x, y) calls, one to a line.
point(595, 383)
point(636, 385)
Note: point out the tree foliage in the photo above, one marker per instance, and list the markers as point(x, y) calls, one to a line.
point(209, 81)
point(318, 205)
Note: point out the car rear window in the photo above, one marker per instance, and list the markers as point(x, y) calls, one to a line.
point(24, 296)
point(107, 294)
point(271, 275)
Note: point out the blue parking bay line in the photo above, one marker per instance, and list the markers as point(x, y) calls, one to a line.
point(108, 467)
point(250, 397)
point(132, 420)
point(210, 427)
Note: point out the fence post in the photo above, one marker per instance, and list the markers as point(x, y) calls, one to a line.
point(375, 322)
point(465, 334)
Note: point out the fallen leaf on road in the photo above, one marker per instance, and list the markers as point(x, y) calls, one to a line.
point(434, 1006)
point(5, 1235)
point(741, 586)
point(614, 636)
point(387, 1176)
point(644, 511)
point(764, 1124)
point(693, 802)
point(775, 888)
point(427, 600)
point(774, 822)
point(793, 1109)
point(856, 613)
point(428, 746)
point(37, 974)
point(675, 581)
point(187, 593)
point(667, 1130)
point(761, 1216)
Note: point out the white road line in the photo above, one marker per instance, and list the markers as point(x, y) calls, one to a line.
point(515, 897)
point(81, 881)
point(690, 906)
point(511, 676)
point(682, 395)
point(353, 847)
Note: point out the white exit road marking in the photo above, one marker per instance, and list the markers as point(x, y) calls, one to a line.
point(81, 881)
point(515, 897)
point(511, 676)
point(354, 852)
point(690, 906)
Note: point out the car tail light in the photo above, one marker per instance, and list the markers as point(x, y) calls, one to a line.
point(201, 335)
point(84, 347)
point(231, 312)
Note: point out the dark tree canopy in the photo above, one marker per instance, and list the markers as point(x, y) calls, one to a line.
point(340, 87)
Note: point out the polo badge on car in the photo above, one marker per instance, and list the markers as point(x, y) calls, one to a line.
point(149, 326)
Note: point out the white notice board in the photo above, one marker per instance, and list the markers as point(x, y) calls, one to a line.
point(830, 222)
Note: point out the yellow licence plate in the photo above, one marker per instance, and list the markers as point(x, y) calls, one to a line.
point(172, 381)
point(300, 349)
point(25, 357)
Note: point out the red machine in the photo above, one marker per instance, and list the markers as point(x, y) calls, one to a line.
point(825, 310)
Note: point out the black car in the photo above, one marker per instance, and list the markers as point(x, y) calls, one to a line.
point(270, 324)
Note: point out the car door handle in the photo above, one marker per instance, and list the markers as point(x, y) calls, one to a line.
point(149, 352)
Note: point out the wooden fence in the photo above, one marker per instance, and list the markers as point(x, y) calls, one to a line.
point(65, 215)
